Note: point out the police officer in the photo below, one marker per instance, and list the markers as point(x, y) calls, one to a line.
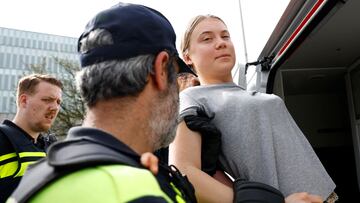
point(38, 103)
point(128, 83)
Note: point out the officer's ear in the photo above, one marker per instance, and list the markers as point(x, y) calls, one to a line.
point(160, 70)
point(22, 100)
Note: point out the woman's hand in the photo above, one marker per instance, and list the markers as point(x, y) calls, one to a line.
point(186, 80)
point(303, 197)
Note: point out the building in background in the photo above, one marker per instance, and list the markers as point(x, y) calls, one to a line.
point(18, 50)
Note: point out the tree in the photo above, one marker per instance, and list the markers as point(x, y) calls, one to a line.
point(72, 107)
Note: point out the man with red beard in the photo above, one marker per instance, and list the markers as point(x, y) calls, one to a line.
point(38, 103)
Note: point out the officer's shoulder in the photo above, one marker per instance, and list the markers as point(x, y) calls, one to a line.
point(107, 180)
point(5, 145)
point(117, 173)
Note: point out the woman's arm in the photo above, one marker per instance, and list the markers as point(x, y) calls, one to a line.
point(223, 178)
point(185, 153)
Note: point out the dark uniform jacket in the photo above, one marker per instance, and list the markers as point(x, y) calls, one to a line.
point(17, 151)
point(93, 166)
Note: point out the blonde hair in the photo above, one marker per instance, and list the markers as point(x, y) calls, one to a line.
point(185, 42)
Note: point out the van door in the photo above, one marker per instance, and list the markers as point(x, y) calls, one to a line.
point(353, 92)
point(318, 99)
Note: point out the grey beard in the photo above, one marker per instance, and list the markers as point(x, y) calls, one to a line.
point(164, 119)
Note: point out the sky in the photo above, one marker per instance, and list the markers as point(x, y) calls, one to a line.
point(69, 17)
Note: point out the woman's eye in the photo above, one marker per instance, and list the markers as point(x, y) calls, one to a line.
point(207, 38)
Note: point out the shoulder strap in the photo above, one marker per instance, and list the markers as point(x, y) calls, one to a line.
point(9, 132)
point(181, 181)
point(64, 158)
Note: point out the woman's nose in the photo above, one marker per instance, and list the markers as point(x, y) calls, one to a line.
point(220, 43)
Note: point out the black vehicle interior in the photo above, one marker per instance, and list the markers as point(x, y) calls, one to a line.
point(320, 84)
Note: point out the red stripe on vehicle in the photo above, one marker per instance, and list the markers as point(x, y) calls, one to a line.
point(300, 27)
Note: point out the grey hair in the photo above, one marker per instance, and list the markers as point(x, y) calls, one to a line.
point(114, 78)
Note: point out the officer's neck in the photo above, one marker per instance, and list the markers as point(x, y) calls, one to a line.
point(124, 118)
point(23, 124)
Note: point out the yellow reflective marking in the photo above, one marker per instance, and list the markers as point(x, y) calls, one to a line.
point(178, 196)
point(179, 199)
point(23, 168)
point(8, 169)
point(30, 154)
point(7, 156)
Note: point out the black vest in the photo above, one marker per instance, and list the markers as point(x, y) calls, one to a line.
point(19, 153)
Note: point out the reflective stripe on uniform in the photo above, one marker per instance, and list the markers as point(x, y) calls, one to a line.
point(8, 165)
point(23, 168)
point(32, 154)
point(24, 165)
point(7, 156)
point(178, 196)
point(8, 169)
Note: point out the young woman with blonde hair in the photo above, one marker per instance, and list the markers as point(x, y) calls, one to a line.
point(259, 139)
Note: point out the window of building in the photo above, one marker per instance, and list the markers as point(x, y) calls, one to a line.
point(1, 102)
point(13, 82)
point(1, 82)
point(4, 40)
point(28, 43)
point(4, 104)
point(2, 62)
point(12, 105)
point(17, 43)
point(10, 41)
point(6, 82)
point(32, 60)
point(27, 59)
point(33, 44)
point(7, 60)
point(14, 61)
point(21, 61)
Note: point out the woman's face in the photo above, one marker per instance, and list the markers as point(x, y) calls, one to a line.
point(211, 51)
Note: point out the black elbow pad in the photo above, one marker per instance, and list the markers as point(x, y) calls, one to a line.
point(250, 191)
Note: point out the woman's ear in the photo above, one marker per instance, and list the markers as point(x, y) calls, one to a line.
point(160, 70)
point(187, 59)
